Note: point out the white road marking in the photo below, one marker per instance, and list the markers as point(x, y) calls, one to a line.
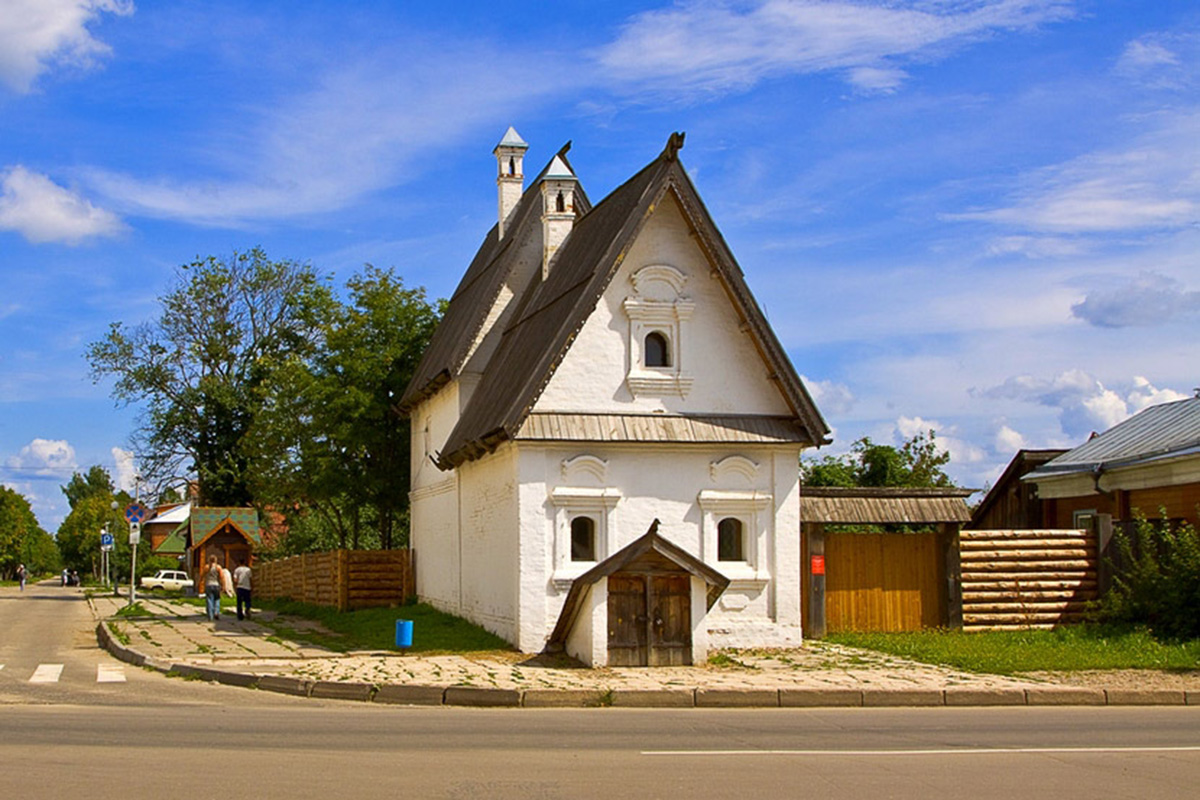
point(110, 673)
point(954, 751)
point(47, 673)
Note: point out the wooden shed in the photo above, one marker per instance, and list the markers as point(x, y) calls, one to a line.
point(859, 576)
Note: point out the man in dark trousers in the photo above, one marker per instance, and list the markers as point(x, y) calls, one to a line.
point(241, 584)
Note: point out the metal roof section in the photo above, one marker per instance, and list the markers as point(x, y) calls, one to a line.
point(558, 170)
point(1170, 430)
point(512, 139)
point(174, 514)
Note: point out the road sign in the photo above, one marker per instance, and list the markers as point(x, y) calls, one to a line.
point(106, 541)
point(135, 512)
point(135, 532)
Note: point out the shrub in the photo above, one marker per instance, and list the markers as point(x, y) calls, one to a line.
point(1159, 585)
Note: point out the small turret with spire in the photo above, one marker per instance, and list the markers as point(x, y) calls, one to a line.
point(558, 207)
point(510, 177)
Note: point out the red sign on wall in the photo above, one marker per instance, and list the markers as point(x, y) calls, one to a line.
point(818, 565)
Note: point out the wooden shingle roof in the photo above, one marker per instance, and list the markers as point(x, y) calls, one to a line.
point(552, 312)
point(835, 505)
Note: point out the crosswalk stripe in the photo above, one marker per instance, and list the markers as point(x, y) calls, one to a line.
point(110, 673)
point(47, 673)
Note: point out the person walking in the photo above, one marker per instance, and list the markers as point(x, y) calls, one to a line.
point(22, 575)
point(212, 589)
point(241, 584)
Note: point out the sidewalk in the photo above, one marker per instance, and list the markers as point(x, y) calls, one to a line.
point(179, 639)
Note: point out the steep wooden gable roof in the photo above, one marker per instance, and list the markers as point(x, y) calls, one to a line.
point(477, 291)
point(553, 311)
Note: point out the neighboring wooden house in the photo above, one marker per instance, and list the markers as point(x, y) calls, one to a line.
point(230, 534)
point(1148, 465)
point(165, 529)
point(1013, 504)
point(600, 367)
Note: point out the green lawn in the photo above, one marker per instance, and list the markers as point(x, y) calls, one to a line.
point(375, 628)
point(1005, 653)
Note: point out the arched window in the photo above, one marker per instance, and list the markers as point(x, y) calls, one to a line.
point(583, 539)
point(512, 166)
point(657, 350)
point(729, 540)
point(560, 204)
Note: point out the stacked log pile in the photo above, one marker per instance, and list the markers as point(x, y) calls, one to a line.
point(346, 579)
point(1013, 580)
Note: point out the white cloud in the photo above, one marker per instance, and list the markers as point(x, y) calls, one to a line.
point(722, 46)
point(126, 469)
point(1148, 299)
point(830, 397)
point(1008, 440)
point(42, 211)
point(365, 126)
point(1084, 404)
point(46, 457)
point(1161, 60)
point(36, 35)
point(1153, 184)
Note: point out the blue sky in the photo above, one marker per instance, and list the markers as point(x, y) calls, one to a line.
point(976, 216)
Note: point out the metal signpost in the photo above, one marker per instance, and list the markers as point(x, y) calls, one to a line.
point(134, 514)
point(106, 545)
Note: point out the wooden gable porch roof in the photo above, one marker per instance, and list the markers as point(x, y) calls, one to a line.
point(835, 505)
point(552, 312)
point(648, 543)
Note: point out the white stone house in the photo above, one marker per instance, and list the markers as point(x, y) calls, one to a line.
point(600, 368)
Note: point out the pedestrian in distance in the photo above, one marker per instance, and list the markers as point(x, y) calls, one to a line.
point(212, 589)
point(241, 582)
point(21, 575)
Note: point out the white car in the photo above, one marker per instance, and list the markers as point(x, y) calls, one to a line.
point(174, 580)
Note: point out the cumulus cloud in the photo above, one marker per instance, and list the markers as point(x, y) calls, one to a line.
point(722, 46)
point(126, 470)
point(1151, 185)
point(42, 211)
point(831, 398)
point(1148, 299)
point(1008, 440)
point(37, 35)
point(1085, 405)
point(947, 439)
point(47, 457)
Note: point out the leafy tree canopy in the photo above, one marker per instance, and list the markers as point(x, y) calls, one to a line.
point(22, 541)
point(918, 463)
point(199, 368)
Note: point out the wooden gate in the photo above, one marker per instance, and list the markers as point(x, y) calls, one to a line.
point(649, 620)
point(884, 582)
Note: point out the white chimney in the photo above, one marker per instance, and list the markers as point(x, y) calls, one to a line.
point(558, 208)
point(510, 177)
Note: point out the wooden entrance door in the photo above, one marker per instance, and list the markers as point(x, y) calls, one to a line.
point(649, 620)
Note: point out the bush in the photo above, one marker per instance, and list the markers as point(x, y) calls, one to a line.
point(1159, 585)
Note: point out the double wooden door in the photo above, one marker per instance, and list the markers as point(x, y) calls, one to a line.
point(649, 620)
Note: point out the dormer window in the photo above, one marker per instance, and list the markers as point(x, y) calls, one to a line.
point(656, 352)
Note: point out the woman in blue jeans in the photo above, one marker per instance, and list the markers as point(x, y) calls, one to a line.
point(212, 589)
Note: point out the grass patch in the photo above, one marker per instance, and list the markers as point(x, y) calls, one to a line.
point(118, 634)
point(375, 628)
point(134, 610)
point(1008, 652)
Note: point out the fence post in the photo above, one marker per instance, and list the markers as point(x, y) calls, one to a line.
point(951, 547)
point(814, 562)
point(1104, 532)
point(343, 580)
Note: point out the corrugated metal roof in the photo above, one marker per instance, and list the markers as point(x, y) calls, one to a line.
point(1156, 432)
point(881, 506)
point(660, 428)
point(175, 514)
point(551, 312)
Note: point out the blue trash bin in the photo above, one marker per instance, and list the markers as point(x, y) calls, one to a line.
point(404, 628)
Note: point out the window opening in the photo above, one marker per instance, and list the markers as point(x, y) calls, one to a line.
point(560, 204)
point(512, 166)
point(657, 353)
point(583, 539)
point(729, 540)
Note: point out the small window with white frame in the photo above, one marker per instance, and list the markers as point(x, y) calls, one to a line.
point(659, 318)
point(583, 539)
point(731, 544)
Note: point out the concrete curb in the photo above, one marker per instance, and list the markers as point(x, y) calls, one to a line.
point(670, 697)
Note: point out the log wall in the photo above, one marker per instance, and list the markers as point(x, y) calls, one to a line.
point(1022, 579)
point(346, 579)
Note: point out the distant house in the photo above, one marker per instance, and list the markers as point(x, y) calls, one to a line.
point(1013, 504)
point(1148, 465)
point(599, 368)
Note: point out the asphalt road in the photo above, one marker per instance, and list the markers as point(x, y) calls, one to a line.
point(152, 736)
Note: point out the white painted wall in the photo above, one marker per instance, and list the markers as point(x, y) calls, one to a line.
point(730, 376)
point(488, 531)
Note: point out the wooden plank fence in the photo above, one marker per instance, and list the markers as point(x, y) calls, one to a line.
point(1021, 579)
point(345, 579)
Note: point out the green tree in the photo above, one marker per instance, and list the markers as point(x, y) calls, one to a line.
point(79, 534)
point(918, 463)
point(199, 368)
point(328, 441)
point(21, 539)
point(96, 481)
